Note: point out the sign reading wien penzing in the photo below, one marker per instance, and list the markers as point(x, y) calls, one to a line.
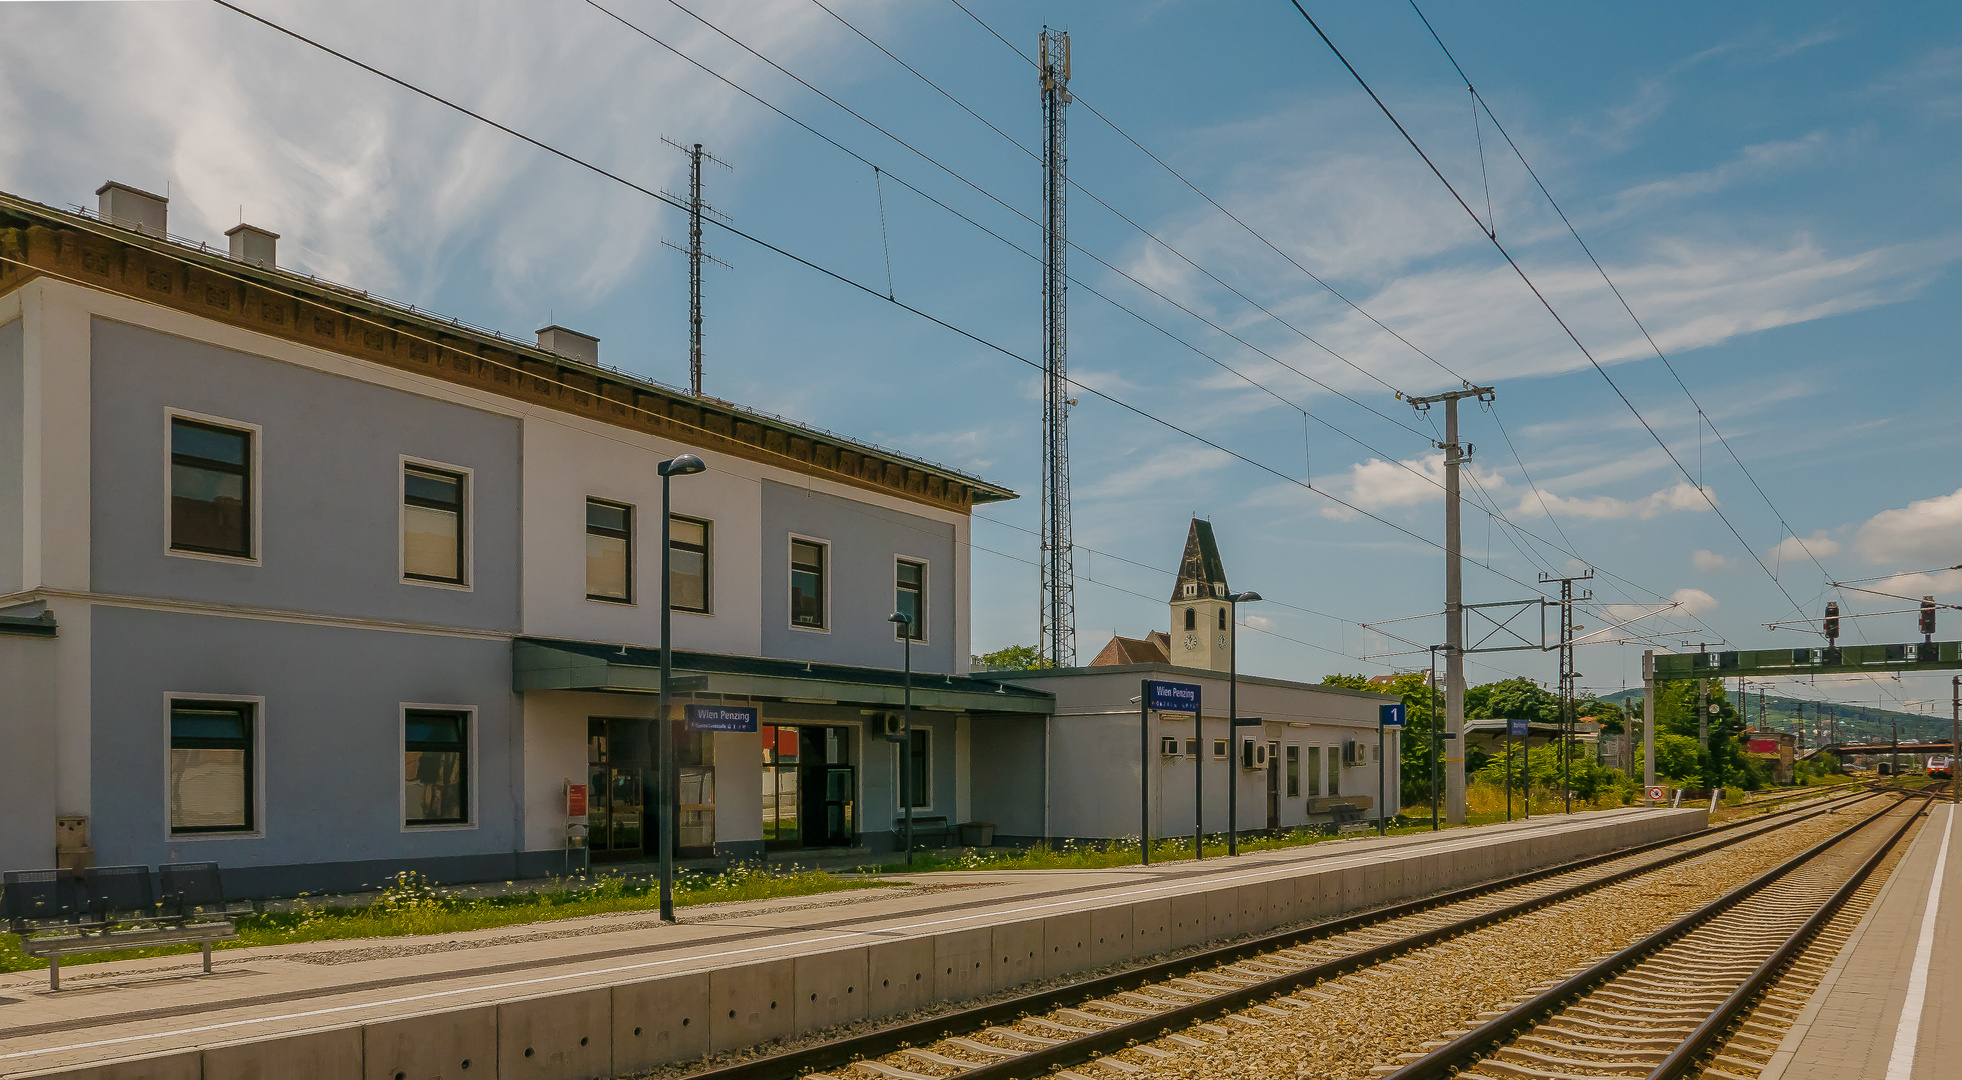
point(722, 718)
point(1172, 697)
point(1912, 656)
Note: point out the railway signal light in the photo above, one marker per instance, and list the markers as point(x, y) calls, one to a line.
point(1928, 617)
point(1832, 621)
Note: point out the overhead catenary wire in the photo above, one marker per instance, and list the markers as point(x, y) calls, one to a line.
point(854, 284)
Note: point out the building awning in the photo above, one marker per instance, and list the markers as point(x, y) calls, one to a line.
point(558, 664)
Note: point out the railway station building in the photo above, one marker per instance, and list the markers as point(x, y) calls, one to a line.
point(322, 587)
point(1311, 758)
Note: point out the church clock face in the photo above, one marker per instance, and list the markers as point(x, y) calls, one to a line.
point(1191, 641)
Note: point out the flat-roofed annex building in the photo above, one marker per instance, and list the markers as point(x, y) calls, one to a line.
point(322, 587)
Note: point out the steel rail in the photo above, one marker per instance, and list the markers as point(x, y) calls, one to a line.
point(843, 1051)
point(1473, 1046)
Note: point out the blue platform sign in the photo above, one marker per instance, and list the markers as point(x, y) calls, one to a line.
point(1518, 729)
point(1390, 715)
point(1172, 697)
point(722, 718)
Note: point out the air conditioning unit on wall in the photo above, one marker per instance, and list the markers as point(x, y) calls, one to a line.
point(889, 726)
point(1354, 753)
point(1253, 754)
point(1168, 745)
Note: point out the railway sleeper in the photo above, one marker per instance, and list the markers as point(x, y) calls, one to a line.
point(1623, 1065)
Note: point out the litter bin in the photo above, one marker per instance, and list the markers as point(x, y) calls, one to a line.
point(977, 834)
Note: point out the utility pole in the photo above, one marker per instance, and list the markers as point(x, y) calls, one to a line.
point(1058, 617)
point(1567, 676)
point(1454, 598)
point(696, 255)
point(1955, 740)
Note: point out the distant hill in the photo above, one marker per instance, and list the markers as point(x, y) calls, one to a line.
point(1854, 723)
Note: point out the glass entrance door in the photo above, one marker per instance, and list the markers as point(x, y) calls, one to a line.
point(809, 787)
point(616, 790)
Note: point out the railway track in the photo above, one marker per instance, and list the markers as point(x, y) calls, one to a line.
point(1186, 1002)
point(1707, 996)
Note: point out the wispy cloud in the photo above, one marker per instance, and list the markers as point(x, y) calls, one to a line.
point(1682, 496)
point(1924, 532)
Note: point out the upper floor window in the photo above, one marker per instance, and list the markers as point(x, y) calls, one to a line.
point(433, 532)
point(1191, 619)
point(807, 584)
point(211, 766)
point(210, 489)
point(1222, 618)
point(436, 767)
point(609, 551)
point(909, 588)
point(688, 564)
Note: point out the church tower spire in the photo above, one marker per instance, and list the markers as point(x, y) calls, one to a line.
point(1202, 628)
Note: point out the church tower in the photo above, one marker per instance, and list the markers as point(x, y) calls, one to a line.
point(1202, 621)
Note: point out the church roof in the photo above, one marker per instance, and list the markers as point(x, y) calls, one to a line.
point(1155, 648)
point(1201, 563)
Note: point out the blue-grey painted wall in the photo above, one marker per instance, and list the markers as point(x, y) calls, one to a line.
point(879, 779)
point(1005, 755)
point(331, 451)
point(864, 540)
point(12, 443)
point(332, 779)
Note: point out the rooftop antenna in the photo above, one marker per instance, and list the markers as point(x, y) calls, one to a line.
point(696, 207)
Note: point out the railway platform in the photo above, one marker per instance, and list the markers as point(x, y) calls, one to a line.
point(1890, 1006)
point(617, 994)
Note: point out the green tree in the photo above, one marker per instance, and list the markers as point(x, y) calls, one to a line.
point(1012, 658)
point(1353, 682)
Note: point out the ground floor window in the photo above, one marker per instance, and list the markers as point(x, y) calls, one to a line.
point(1294, 771)
point(1314, 772)
point(919, 765)
point(436, 767)
point(622, 801)
point(211, 766)
point(1335, 770)
point(809, 786)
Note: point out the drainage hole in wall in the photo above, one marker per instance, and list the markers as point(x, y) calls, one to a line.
point(401, 1076)
point(732, 1014)
point(583, 1040)
point(814, 997)
point(637, 1030)
point(849, 989)
point(529, 1051)
point(888, 982)
point(684, 1021)
point(916, 975)
point(466, 1063)
point(773, 1004)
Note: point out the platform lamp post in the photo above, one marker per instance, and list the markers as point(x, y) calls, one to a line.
point(682, 465)
point(905, 624)
point(1233, 601)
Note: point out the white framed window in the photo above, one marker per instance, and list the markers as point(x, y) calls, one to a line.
point(810, 584)
point(212, 487)
point(919, 759)
point(688, 564)
point(215, 767)
point(1335, 769)
point(909, 578)
point(438, 748)
point(435, 503)
point(609, 551)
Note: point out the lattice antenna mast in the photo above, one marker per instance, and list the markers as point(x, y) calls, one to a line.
point(696, 256)
point(1058, 577)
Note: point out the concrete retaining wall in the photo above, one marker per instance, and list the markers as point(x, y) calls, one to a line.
point(619, 1030)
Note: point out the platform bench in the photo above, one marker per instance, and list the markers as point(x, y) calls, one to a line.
point(936, 827)
point(112, 908)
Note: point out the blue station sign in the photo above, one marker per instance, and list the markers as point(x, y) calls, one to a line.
point(1172, 697)
point(1518, 729)
point(722, 718)
point(1390, 715)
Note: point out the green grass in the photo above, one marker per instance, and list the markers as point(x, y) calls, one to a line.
point(411, 906)
point(1097, 855)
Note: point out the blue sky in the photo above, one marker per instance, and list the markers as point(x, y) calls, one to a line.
point(1772, 185)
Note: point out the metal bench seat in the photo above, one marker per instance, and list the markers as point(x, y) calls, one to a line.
point(936, 826)
point(112, 908)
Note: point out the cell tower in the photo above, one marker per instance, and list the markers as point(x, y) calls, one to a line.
point(1058, 580)
point(696, 207)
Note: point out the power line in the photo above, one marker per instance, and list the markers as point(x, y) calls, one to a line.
point(846, 280)
point(1541, 297)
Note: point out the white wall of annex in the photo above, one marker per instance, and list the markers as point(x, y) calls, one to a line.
point(565, 465)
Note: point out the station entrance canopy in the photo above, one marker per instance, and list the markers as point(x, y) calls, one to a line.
point(1760, 663)
point(557, 664)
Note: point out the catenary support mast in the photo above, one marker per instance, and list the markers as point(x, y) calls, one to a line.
point(1454, 601)
point(1058, 622)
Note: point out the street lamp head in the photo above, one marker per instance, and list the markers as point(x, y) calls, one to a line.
point(1247, 597)
point(682, 465)
point(901, 618)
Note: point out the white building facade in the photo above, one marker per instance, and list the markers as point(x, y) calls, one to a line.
point(321, 588)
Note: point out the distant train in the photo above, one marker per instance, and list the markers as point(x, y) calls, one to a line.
point(1941, 767)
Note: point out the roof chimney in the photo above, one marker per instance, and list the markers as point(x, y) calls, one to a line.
point(132, 208)
point(569, 343)
point(254, 245)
